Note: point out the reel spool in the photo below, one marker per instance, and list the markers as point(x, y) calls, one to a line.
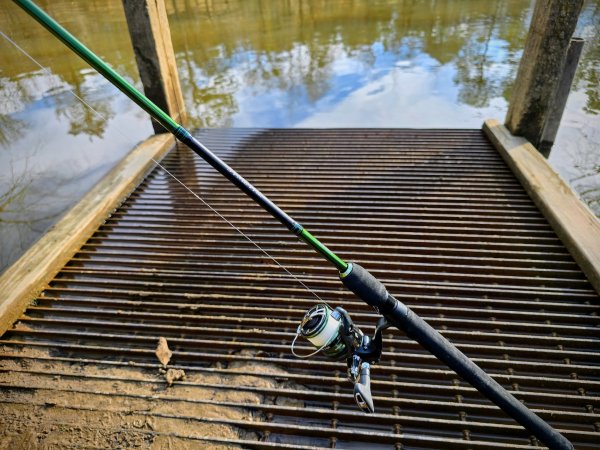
point(321, 327)
point(334, 334)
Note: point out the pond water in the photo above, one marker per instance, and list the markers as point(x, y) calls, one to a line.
point(267, 63)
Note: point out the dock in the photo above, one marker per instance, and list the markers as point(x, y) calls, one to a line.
point(159, 312)
point(437, 215)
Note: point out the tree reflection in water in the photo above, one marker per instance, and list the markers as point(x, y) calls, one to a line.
point(21, 213)
point(264, 63)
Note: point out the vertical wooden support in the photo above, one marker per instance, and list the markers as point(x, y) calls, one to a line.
point(541, 67)
point(562, 93)
point(151, 38)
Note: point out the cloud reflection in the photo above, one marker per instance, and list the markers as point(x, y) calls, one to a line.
point(260, 63)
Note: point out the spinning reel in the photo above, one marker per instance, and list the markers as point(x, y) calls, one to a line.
point(334, 334)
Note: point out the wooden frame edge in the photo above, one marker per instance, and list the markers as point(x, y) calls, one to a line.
point(574, 223)
point(22, 282)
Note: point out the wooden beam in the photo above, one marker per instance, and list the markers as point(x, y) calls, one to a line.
point(562, 94)
point(541, 67)
point(28, 276)
point(151, 39)
point(574, 223)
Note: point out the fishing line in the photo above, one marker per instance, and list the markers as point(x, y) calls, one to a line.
point(240, 231)
point(323, 325)
point(248, 238)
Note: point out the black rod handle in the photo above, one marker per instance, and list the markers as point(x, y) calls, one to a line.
point(419, 330)
point(373, 292)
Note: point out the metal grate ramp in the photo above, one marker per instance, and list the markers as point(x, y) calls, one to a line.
point(435, 214)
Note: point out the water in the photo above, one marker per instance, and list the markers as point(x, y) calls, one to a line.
point(266, 63)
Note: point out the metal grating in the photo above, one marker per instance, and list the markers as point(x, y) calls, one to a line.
point(435, 214)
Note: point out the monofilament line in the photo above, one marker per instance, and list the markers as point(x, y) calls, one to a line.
point(98, 114)
point(238, 230)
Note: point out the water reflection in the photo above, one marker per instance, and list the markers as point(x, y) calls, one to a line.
point(21, 211)
point(576, 154)
point(54, 148)
point(264, 63)
point(316, 54)
point(587, 77)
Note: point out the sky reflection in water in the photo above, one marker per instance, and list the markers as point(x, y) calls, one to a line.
point(263, 63)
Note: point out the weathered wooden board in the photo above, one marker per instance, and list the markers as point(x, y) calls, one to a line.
point(151, 38)
point(541, 67)
point(574, 223)
point(22, 281)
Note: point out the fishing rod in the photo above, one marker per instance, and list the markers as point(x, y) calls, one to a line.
point(331, 331)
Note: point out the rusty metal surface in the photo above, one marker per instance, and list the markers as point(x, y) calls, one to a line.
point(435, 214)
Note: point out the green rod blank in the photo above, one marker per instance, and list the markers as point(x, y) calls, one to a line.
point(178, 130)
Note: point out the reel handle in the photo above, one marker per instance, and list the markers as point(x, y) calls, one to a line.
point(362, 389)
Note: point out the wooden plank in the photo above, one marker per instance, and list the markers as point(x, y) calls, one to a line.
point(541, 67)
point(574, 223)
point(562, 94)
point(29, 275)
point(151, 38)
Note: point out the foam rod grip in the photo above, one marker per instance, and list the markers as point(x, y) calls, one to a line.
point(368, 288)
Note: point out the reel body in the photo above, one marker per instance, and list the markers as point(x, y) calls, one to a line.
point(334, 334)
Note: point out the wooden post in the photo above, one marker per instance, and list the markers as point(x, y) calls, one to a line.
point(541, 67)
point(562, 93)
point(149, 30)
